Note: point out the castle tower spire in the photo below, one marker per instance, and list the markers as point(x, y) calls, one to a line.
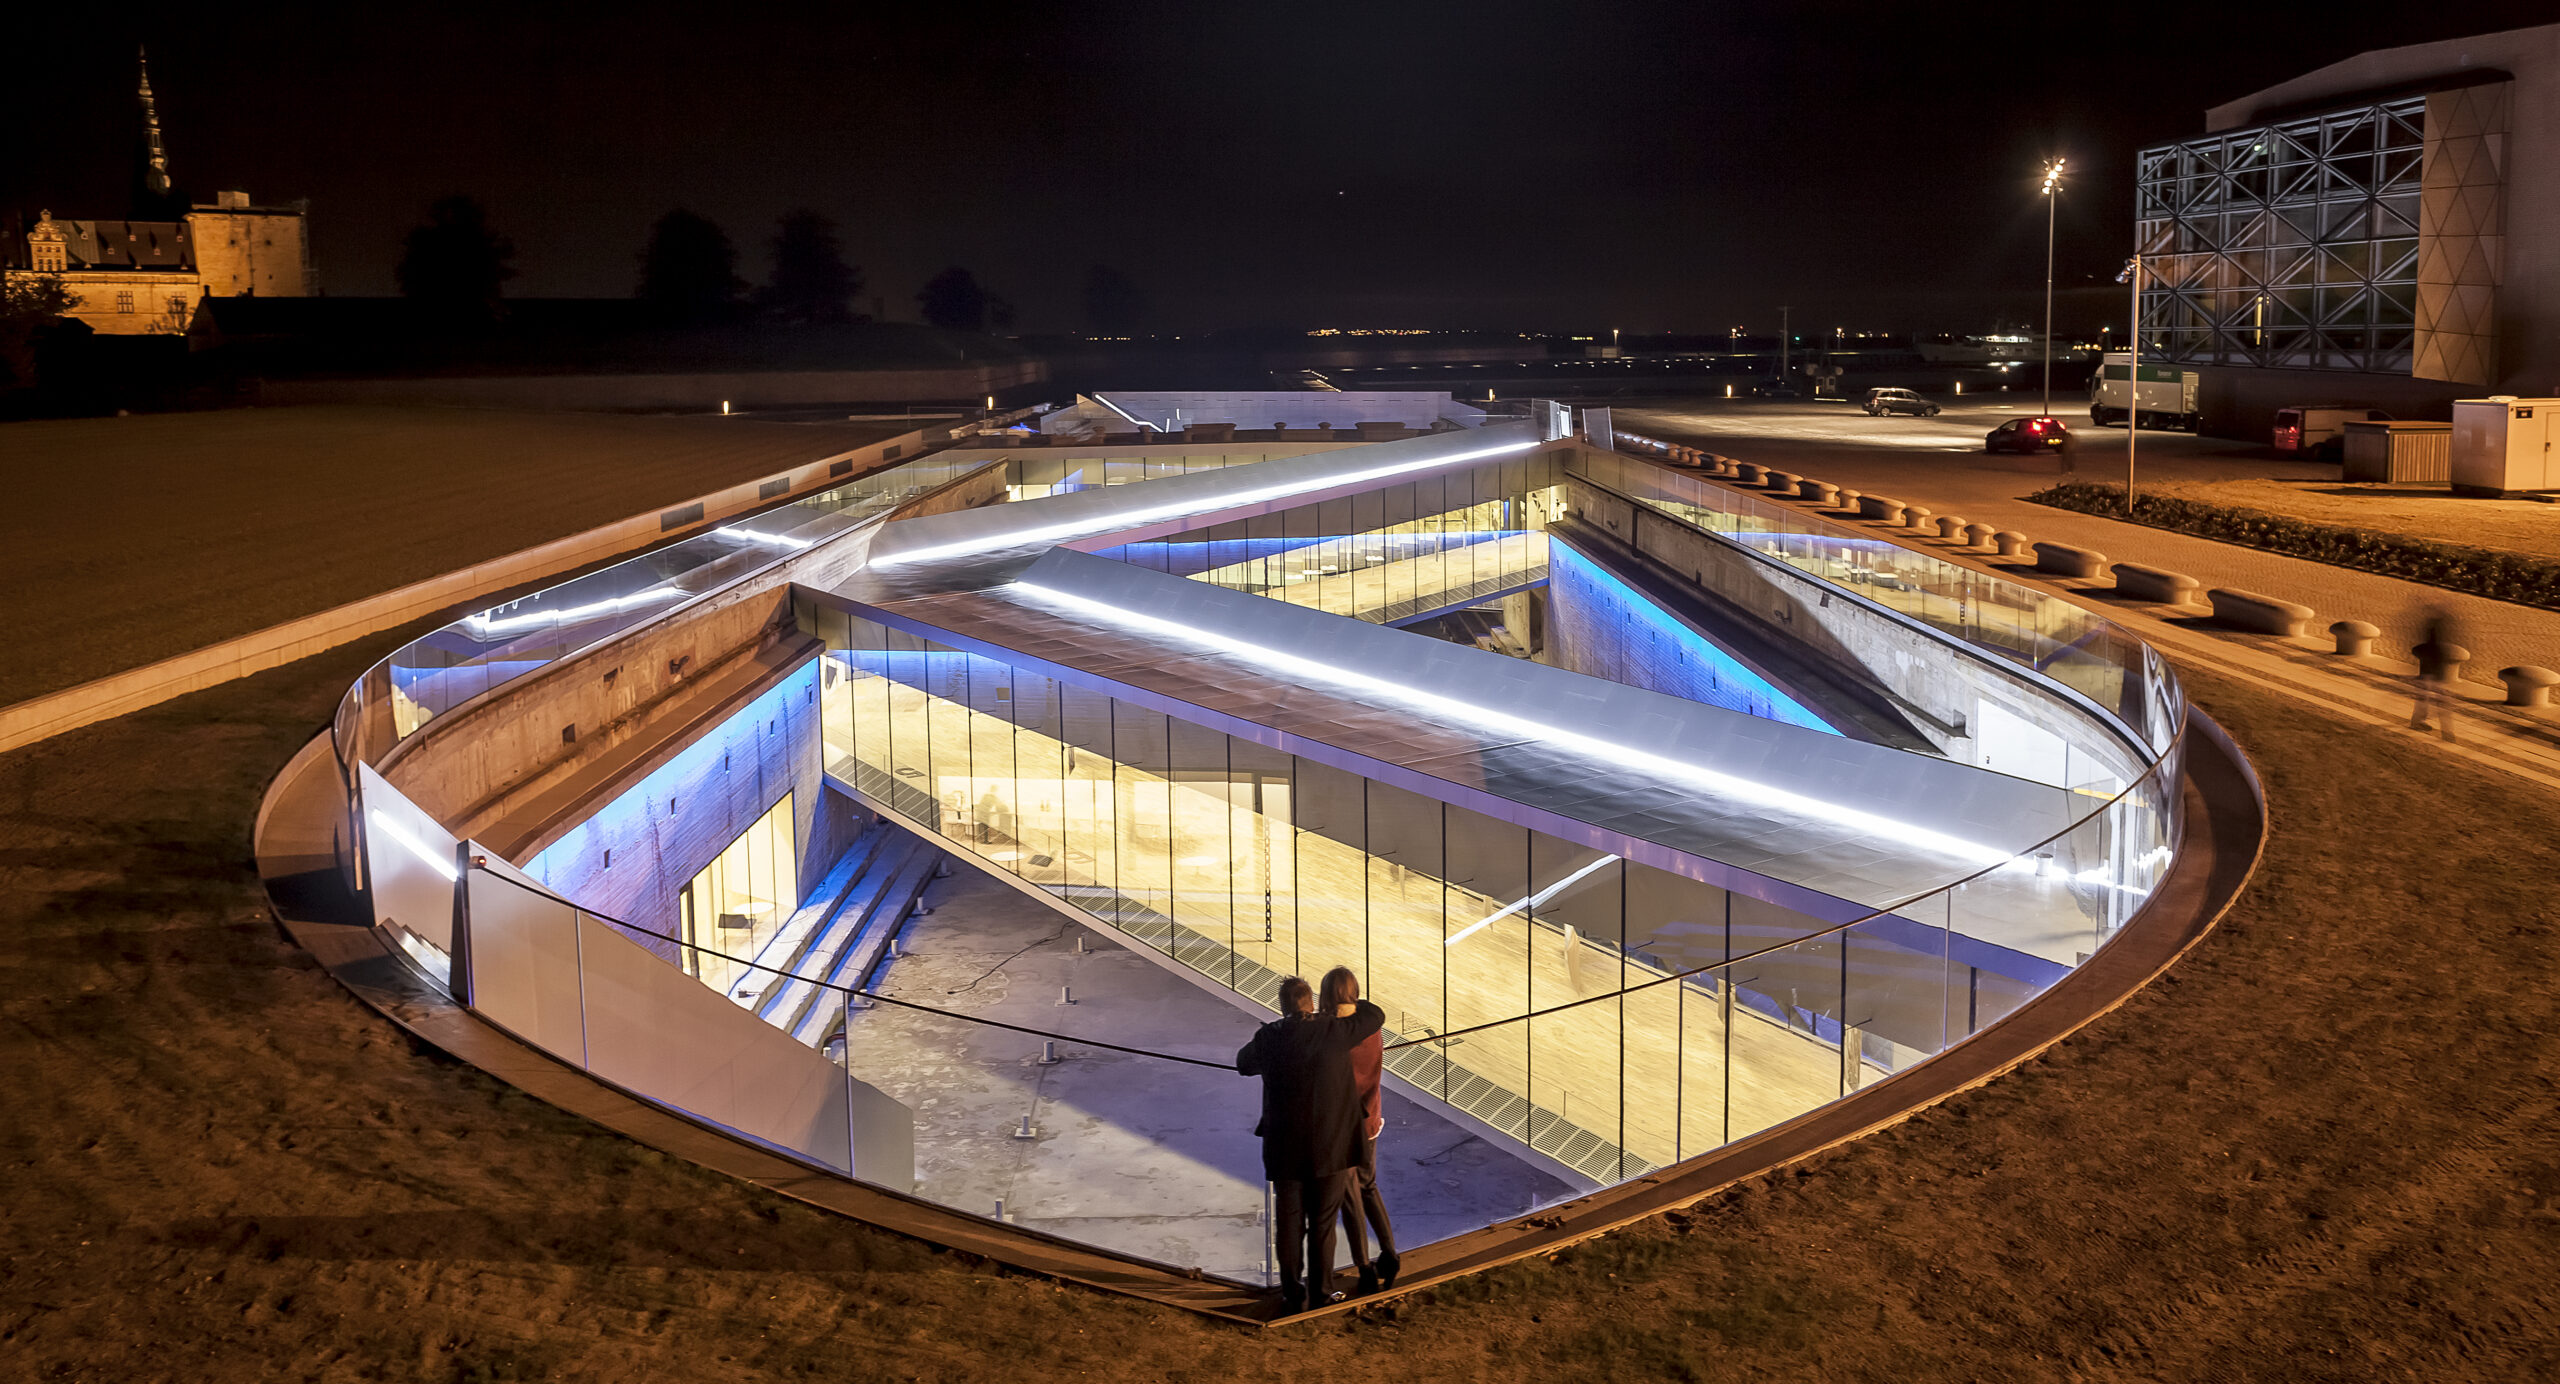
point(155, 173)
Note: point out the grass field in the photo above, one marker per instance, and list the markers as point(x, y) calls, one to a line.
point(2323, 1148)
point(138, 538)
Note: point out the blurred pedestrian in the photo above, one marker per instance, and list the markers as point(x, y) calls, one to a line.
point(2438, 659)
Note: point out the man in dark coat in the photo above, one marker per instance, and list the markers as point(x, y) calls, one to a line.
point(1310, 1130)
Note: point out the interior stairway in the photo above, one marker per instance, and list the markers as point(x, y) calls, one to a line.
point(840, 935)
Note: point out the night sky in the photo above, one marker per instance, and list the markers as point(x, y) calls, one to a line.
point(1559, 166)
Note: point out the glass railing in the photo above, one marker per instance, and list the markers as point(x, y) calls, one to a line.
point(2099, 665)
point(437, 672)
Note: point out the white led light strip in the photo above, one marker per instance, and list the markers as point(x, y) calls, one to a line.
point(416, 847)
point(779, 540)
point(1023, 538)
point(1507, 724)
point(486, 624)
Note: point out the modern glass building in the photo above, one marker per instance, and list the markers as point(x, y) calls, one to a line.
point(1656, 814)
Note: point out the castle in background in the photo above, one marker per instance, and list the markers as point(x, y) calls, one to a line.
point(148, 276)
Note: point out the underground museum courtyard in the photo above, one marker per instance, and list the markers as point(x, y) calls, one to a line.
point(925, 846)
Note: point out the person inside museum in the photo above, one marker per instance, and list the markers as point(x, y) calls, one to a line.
point(1311, 1130)
point(1363, 1206)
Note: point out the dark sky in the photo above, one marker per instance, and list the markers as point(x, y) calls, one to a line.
point(1542, 166)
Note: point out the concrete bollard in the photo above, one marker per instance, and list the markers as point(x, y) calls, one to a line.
point(1977, 535)
point(1784, 482)
point(2154, 584)
point(2010, 542)
point(1882, 507)
point(1820, 492)
point(1848, 499)
point(2528, 685)
point(1951, 526)
point(2355, 637)
point(1749, 473)
point(1917, 517)
point(2247, 610)
point(2444, 660)
point(2063, 560)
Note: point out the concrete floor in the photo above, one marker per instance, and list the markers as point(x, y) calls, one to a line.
point(1136, 1154)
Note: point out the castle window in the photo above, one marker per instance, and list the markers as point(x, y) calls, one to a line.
point(124, 301)
point(48, 256)
point(178, 308)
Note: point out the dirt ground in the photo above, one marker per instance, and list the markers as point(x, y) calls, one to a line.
point(2324, 1147)
point(368, 498)
point(2430, 512)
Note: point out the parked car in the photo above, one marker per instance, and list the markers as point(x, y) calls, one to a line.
point(2028, 435)
point(1773, 389)
point(1882, 401)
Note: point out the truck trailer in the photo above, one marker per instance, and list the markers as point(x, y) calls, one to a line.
point(2165, 394)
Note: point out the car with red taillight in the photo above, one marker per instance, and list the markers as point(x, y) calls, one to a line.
point(2028, 435)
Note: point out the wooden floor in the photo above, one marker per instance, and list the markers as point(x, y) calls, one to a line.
point(1665, 1073)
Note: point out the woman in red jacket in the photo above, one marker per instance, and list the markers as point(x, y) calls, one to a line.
point(1340, 994)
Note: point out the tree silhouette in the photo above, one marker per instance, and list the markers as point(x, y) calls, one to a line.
point(454, 262)
point(30, 306)
point(954, 301)
point(811, 283)
point(1114, 305)
point(689, 272)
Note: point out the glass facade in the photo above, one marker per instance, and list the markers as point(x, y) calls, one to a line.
point(741, 899)
point(1619, 1040)
point(2292, 245)
point(1390, 555)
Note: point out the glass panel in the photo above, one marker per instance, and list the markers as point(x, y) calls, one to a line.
point(1487, 940)
point(1203, 830)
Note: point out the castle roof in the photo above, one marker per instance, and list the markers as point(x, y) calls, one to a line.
point(148, 245)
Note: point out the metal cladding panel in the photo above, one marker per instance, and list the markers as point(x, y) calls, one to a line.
point(524, 960)
point(1171, 504)
point(1853, 821)
point(408, 861)
point(654, 1029)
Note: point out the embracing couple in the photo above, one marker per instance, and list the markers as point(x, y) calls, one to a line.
point(1321, 1116)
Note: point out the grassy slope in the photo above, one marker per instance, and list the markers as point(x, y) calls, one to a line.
point(228, 522)
point(2323, 1148)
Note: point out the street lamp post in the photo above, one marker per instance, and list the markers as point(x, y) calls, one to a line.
point(2132, 372)
point(2052, 182)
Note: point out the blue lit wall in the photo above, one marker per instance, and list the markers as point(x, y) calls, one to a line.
point(1598, 625)
point(628, 859)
